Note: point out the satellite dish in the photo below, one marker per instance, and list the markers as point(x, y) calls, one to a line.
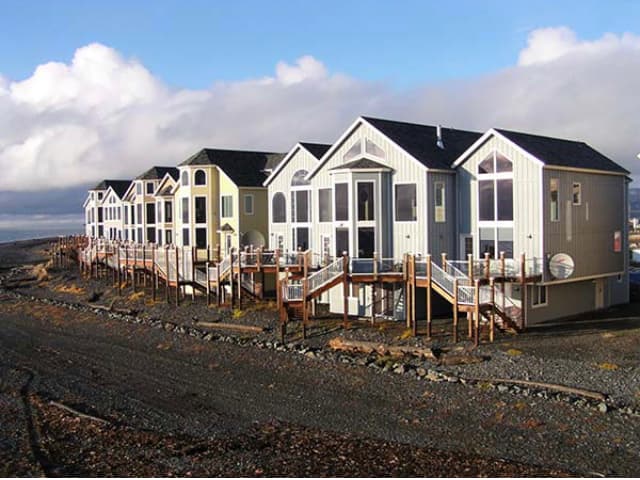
point(561, 266)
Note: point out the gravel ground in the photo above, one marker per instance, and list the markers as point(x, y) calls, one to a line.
point(239, 404)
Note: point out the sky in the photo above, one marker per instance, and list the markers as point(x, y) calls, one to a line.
point(92, 90)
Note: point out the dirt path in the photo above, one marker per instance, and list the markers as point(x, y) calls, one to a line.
point(176, 390)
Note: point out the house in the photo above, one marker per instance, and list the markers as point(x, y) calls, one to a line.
point(220, 200)
point(165, 209)
point(94, 206)
point(140, 200)
point(113, 210)
point(388, 188)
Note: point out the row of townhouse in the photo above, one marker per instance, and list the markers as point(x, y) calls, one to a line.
point(387, 188)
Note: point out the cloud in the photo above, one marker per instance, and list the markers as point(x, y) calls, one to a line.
point(106, 116)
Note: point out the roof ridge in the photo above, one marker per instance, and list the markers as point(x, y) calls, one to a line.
point(414, 124)
point(518, 132)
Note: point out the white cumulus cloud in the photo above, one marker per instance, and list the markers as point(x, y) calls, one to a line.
point(105, 116)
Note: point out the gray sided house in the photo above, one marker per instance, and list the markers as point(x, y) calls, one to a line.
point(98, 212)
point(393, 188)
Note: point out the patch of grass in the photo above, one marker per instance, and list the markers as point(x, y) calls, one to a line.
point(514, 352)
point(135, 296)
point(608, 366)
point(237, 313)
point(408, 333)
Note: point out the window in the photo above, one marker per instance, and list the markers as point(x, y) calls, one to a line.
point(140, 239)
point(342, 241)
point(199, 178)
point(300, 206)
point(99, 214)
point(168, 237)
point(439, 210)
point(301, 238)
point(554, 194)
point(406, 207)
point(159, 212)
point(151, 234)
point(201, 238)
point(201, 209)
point(125, 213)
point(150, 188)
point(373, 149)
point(184, 178)
point(278, 208)
point(365, 201)
point(138, 188)
point(324, 205)
point(118, 212)
point(495, 195)
point(577, 193)
point(185, 210)
point(92, 196)
point(538, 295)
point(139, 213)
point(488, 242)
point(299, 178)
point(227, 206)
point(168, 211)
point(504, 200)
point(159, 237)
point(151, 213)
point(353, 152)
point(185, 237)
point(342, 201)
point(617, 241)
point(99, 195)
point(248, 204)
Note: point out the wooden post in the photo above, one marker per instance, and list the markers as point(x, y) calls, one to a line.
point(206, 266)
point(470, 266)
point(126, 263)
point(345, 289)
point(194, 253)
point(231, 282)
point(503, 268)
point(492, 318)
point(523, 280)
point(455, 310)
point(240, 279)
point(414, 320)
point(154, 278)
point(144, 267)
point(428, 296)
point(487, 265)
point(305, 293)
point(443, 259)
point(177, 276)
point(476, 313)
point(119, 269)
point(277, 269)
point(218, 285)
point(166, 273)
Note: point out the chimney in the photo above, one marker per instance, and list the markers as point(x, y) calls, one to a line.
point(439, 141)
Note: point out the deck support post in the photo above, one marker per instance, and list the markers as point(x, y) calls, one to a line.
point(305, 293)
point(206, 266)
point(523, 280)
point(476, 313)
point(177, 275)
point(429, 297)
point(414, 321)
point(487, 265)
point(345, 289)
point(119, 268)
point(166, 273)
point(154, 273)
point(455, 310)
point(144, 267)
point(194, 253)
point(443, 259)
point(470, 267)
point(492, 318)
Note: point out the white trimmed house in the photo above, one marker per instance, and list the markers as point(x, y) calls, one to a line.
point(391, 188)
point(102, 207)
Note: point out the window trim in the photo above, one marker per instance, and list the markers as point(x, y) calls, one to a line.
point(222, 197)
point(395, 202)
point(437, 207)
point(244, 203)
point(366, 223)
point(272, 216)
point(534, 296)
point(573, 201)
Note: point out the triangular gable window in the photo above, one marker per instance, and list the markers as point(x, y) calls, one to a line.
point(353, 152)
point(373, 149)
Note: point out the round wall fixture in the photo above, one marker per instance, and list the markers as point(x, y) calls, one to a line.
point(561, 266)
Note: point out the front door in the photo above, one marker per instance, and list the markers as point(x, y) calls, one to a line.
point(599, 283)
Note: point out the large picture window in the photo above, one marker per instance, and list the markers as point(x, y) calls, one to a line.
point(406, 206)
point(300, 206)
point(342, 201)
point(278, 208)
point(324, 205)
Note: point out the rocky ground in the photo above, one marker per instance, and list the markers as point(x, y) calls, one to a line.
point(153, 389)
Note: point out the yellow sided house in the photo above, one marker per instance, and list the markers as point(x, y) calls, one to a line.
point(220, 199)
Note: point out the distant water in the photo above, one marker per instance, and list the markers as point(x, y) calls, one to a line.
point(11, 235)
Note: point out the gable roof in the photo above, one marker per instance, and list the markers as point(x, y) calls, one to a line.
point(420, 141)
point(244, 168)
point(362, 164)
point(317, 150)
point(157, 173)
point(562, 153)
point(118, 186)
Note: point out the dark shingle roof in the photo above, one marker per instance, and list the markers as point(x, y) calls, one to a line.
point(245, 168)
point(158, 173)
point(361, 163)
point(316, 149)
point(119, 186)
point(420, 141)
point(562, 153)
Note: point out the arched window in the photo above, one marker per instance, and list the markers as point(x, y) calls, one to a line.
point(184, 178)
point(199, 178)
point(299, 179)
point(279, 208)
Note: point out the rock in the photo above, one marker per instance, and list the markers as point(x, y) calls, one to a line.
point(94, 296)
point(400, 369)
point(503, 388)
point(310, 354)
point(361, 361)
point(169, 327)
point(452, 379)
point(421, 372)
point(433, 376)
point(208, 337)
point(602, 407)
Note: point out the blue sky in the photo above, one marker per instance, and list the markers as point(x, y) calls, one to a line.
point(92, 90)
point(194, 43)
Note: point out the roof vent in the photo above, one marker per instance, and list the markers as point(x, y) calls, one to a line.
point(439, 141)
